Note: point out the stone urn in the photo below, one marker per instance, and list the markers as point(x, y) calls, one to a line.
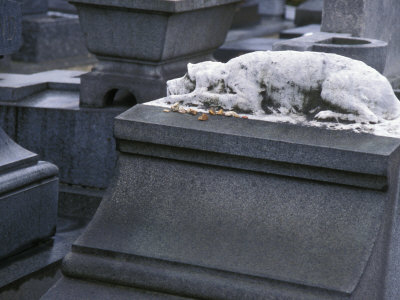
point(142, 44)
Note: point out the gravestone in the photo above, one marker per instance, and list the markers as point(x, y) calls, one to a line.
point(28, 187)
point(309, 12)
point(48, 37)
point(271, 8)
point(280, 207)
point(150, 42)
point(246, 14)
point(232, 208)
point(10, 27)
point(369, 19)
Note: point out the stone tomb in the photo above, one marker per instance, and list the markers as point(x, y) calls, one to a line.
point(309, 12)
point(28, 198)
point(142, 44)
point(48, 37)
point(233, 209)
point(10, 27)
point(41, 112)
point(368, 19)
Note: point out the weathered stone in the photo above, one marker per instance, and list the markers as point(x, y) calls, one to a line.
point(10, 27)
point(150, 43)
point(234, 209)
point(28, 198)
point(309, 12)
point(271, 8)
point(41, 112)
point(31, 7)
point(49, 38)
point(369, 19)
point(372, 52)
point(46, 109)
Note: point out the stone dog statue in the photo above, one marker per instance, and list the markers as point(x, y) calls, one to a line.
point(322, 86)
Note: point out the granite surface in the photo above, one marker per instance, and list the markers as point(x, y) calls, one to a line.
point(49, 37)
point(215, 228)
point(372, 52)
point(167, 6)
point(10, 22)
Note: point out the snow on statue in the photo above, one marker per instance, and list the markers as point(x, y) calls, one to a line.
point(321, 86)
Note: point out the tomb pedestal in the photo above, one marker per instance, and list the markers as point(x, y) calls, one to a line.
point(142, 44)
point(28, 198)
point(233, 209)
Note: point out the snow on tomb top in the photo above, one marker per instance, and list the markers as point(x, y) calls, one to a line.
point(171, 6)
point(309, 88)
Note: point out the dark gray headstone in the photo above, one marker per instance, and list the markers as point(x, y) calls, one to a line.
point(10, 26)
point(30, 7)
point(310, 12)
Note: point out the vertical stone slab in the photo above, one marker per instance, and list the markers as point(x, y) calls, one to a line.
point(370, 19)
point(10, 27)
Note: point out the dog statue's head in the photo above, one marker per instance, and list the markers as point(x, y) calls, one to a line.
point(204, 74)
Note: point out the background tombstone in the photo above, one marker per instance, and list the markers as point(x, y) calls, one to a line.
point(28, 187)
point(49, 37)
point(10, 27)
point(309, 12)
point(370, 19)
point(271, 8)
point(142, 44)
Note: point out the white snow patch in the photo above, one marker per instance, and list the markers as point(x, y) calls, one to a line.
point(296, 87)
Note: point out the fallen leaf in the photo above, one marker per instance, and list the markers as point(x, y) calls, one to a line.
point(220, 112)
point(166, 110)
point(203, 117)
point(175, 107)
point(212, 111)
point(181, 110)
point(192, 111)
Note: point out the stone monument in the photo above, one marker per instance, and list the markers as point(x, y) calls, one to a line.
point(46, 37)
point(368, 19)
point(372, 52)
point(232, 208)
point(309, 12)
point(28, 187)
point(271, 8)
point(142, 44)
